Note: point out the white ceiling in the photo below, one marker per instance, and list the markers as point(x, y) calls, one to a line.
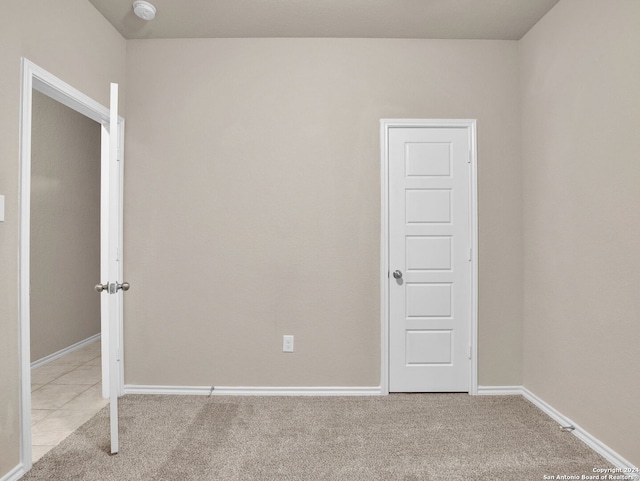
point(463, 19)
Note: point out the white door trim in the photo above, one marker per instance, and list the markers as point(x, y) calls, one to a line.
point(35, 77)
point(385, 125)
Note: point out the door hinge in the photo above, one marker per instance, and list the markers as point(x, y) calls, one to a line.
point(118, 154)
point(470, 156)
point(470, 254)
point(469, 351)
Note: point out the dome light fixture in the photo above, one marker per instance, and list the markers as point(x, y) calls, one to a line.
point(144, 10)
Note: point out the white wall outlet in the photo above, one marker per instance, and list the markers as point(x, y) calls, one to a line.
point(287, 343)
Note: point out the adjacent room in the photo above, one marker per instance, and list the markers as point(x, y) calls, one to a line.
point(65, 252)
point(256, 232)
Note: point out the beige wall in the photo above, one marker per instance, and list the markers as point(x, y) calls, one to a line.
point(580, 71)
point(65, 227)
point(72, 40)
point(253, 202)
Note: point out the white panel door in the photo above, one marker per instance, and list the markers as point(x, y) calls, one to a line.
point(429, 259)
point(110, 267)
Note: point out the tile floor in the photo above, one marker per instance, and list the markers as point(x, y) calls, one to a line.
point(65, 393)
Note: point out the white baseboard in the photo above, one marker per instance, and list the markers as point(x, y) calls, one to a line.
point(297, 391)
point(598, 446)
point(62, 352)
point(182, 390)
point(254, 391)
point(15, 474)
point(499, 390)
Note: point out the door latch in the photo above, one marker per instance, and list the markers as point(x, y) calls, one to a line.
point(114, 287)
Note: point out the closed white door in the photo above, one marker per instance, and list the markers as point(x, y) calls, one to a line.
point(429, 259)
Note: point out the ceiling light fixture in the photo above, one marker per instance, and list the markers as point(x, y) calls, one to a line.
point(144, 10)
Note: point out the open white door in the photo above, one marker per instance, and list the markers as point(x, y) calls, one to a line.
point(110, 266)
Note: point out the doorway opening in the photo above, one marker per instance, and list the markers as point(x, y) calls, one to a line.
point(65, 251)
point(39, 84)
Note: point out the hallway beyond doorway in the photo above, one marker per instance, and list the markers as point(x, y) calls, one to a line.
point(66, 393)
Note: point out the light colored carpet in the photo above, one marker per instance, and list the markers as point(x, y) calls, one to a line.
point(399, 437)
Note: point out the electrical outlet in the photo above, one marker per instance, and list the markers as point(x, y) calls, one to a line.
point(287, 343)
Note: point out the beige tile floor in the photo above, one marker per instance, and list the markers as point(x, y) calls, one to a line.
point(65, 393)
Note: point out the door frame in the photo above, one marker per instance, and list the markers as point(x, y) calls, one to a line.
point(35, 77)
point(385, 126)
